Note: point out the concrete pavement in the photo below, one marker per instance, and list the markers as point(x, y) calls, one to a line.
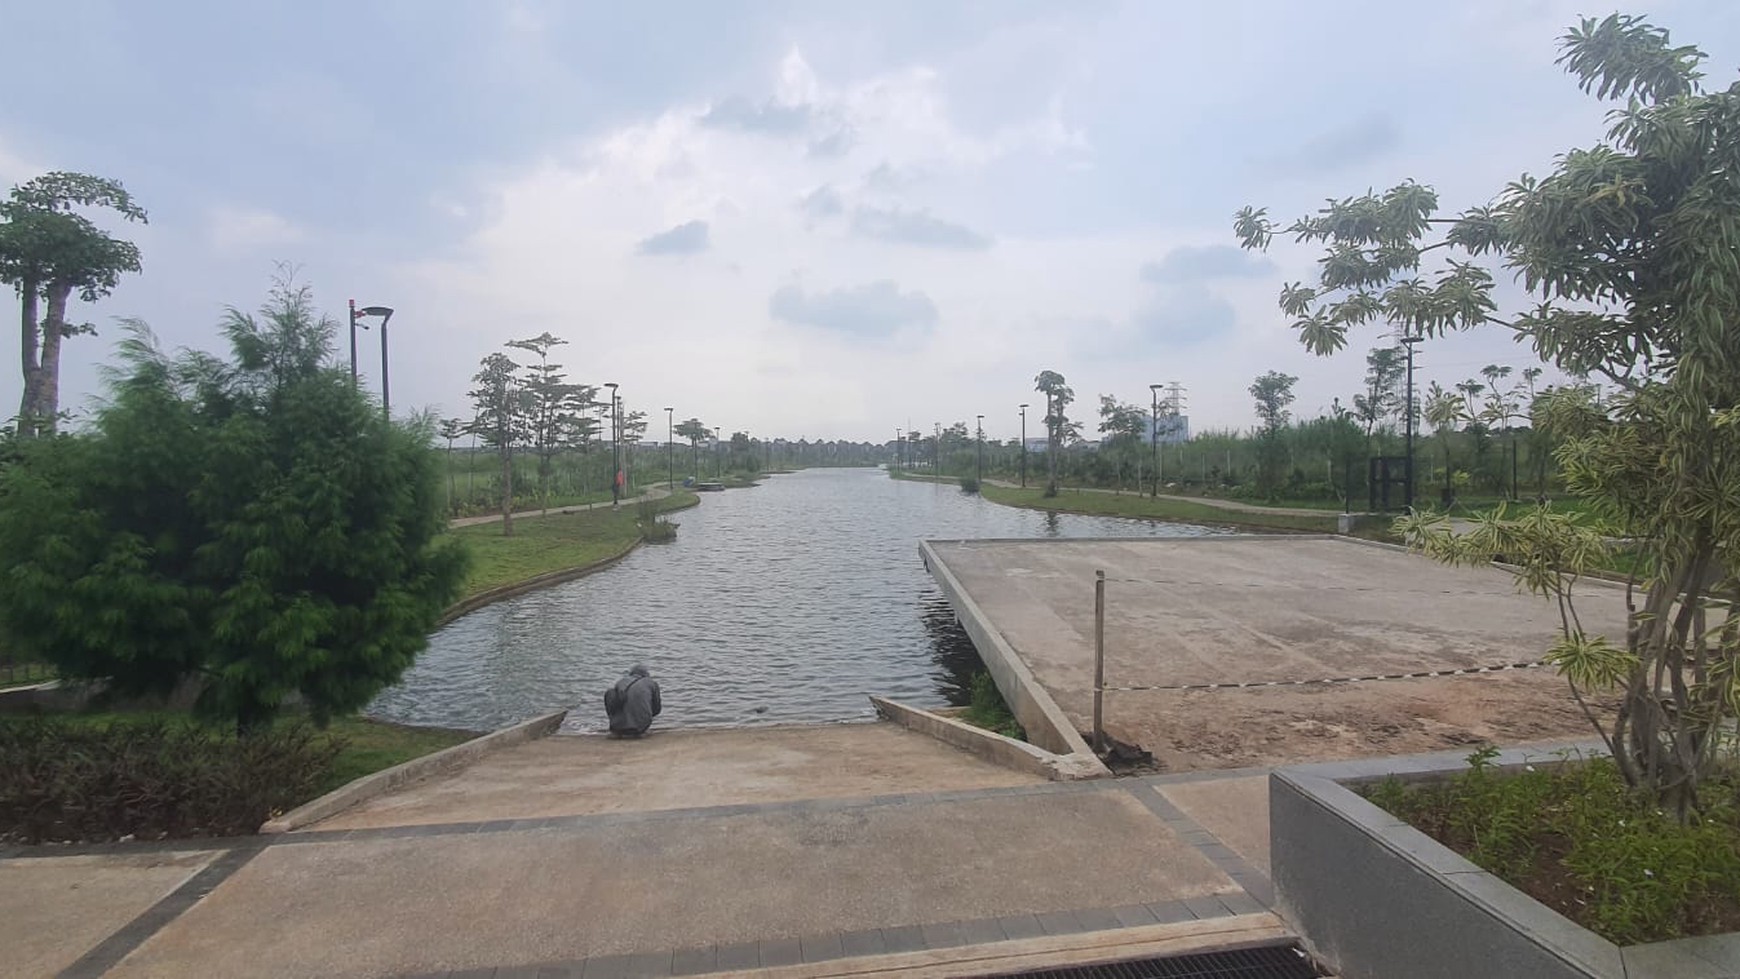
point(814, 875)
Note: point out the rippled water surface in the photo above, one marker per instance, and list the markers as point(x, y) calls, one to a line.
point(783, 603)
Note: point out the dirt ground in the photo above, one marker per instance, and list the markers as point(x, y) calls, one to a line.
point(1195, 730)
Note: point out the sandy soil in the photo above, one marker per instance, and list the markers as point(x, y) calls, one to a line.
point(1212, 729)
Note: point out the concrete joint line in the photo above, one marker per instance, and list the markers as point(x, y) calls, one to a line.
point(1418, 675)
point(1205, 843)
point(110, 951)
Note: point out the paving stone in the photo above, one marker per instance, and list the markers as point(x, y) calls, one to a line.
point(733, 958)
point(1204, 906)
point(906, 938)
point(648, 965)
point(1241, 904)
point(1170, 912)
point(1134, 916)
point(1059, 923)
point(1097, 919)
point(982, 932)
point(564, 971)
point(819, 948)
point(781, 951)
point(1020, 926)
point(946, 934)
point(693, 961)
point(854, 943)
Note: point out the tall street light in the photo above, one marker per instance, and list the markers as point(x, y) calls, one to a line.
point(719, 453)
point(898, 446)
point(615, 445)
point(979, 475)
point(1154, 440)
point(1408, 493)
point(1023, 446)
point(356, 315)
point(670, 466)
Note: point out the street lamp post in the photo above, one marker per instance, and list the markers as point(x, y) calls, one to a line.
point(1154, 440)
point(899, 446)
point(1023, 446)
point(1408, 492)
point(670, 440)
point(979, 471)
point(615, 444)
point(719, 453)
point(356, 315)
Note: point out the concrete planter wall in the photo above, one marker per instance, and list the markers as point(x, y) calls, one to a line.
point(1376, 898)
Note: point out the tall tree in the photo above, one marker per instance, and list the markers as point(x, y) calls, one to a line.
point(503, 410)
point(451, 429)
point(1385, 370)
point(1444, 409)
point(47, 252)
point(1628, 250)
point(549, 399)
point(696, 432)
point(1058, 396)
point(253, 523)
point(1121, 429)
point(1273, 392)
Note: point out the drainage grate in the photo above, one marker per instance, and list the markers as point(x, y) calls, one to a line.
point(1264, 962)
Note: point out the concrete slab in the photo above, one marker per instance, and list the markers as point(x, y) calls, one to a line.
point(1249, 610)
point(1235, 810)
point(624, 885)
point(579, 775)
point(53, 909)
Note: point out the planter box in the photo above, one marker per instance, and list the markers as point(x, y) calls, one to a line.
point(1376, 898)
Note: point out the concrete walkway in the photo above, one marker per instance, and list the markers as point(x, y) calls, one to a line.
point(966, 870)
point(1233, 505)
point(652, 493)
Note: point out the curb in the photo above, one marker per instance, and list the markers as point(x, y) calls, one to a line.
point(466, 606)
point(986, 745)
point(386, 780)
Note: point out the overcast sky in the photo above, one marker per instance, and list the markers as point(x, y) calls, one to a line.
point(798, 219)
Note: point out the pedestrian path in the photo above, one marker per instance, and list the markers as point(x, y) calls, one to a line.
point(652, 493)
point(808, 881)
point(1209, 501)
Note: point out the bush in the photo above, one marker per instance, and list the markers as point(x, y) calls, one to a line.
point(72, 780)
point(1574, 837)
point(987, 709)
point(969, 484)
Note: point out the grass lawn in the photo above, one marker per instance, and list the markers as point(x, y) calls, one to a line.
point(1131, 505)
point(556, 542)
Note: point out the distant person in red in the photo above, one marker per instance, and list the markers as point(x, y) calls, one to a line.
point(616, 488)
point(632, 703)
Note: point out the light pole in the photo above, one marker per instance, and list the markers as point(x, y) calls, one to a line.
point(386, 314)
point(1408, 493)
point(898, 446)
point(979, 474)
point(1154, 440)
point(1023, 446)
point(719, 453)
point(615, 445)
point(670, 466)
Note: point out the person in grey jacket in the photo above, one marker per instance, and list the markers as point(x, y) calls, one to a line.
point(632, 703)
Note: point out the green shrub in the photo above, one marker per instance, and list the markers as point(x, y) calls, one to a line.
point(987, 709)
point(1576, 838)
point(969, 484)
point(654, 529)
point(63, 779)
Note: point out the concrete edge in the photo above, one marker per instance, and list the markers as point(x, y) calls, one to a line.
point(1050, 952)
point(467, 606)
point(1044, 721)
point(988, 745)
point(388, 779)
point(1326, 787)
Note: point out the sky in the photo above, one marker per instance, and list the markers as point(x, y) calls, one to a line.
point(821, 220)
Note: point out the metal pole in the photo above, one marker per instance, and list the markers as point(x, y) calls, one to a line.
point(385, 410)
point(1023, 446)
point(670, 466)
point(979, 471)
point(353, 343)
point(1154, 439)
point(1099, 660)
point(1408, 491)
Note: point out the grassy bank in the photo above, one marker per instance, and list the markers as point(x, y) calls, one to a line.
point(1131, 505)
point(556, 542)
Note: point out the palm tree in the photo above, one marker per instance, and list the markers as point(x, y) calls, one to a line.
point(1443, 411)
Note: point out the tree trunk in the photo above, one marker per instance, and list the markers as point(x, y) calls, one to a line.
point(47, 409)
point(29, 345)
point(507, 491)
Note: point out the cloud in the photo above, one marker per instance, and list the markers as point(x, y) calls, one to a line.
point(1357, 142)
point(233, 228)
point(823, 202)
point(688, 238)
point(769, 118)
point(875, 309)
point(1184, 314)
point(905, 227)
point(1191, 263)
point(837, 143)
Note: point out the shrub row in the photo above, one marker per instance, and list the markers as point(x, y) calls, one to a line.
point(78, 780)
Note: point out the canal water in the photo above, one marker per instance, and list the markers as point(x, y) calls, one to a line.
point(784, 603)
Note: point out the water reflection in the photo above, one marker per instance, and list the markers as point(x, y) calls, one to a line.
point(784, 603)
